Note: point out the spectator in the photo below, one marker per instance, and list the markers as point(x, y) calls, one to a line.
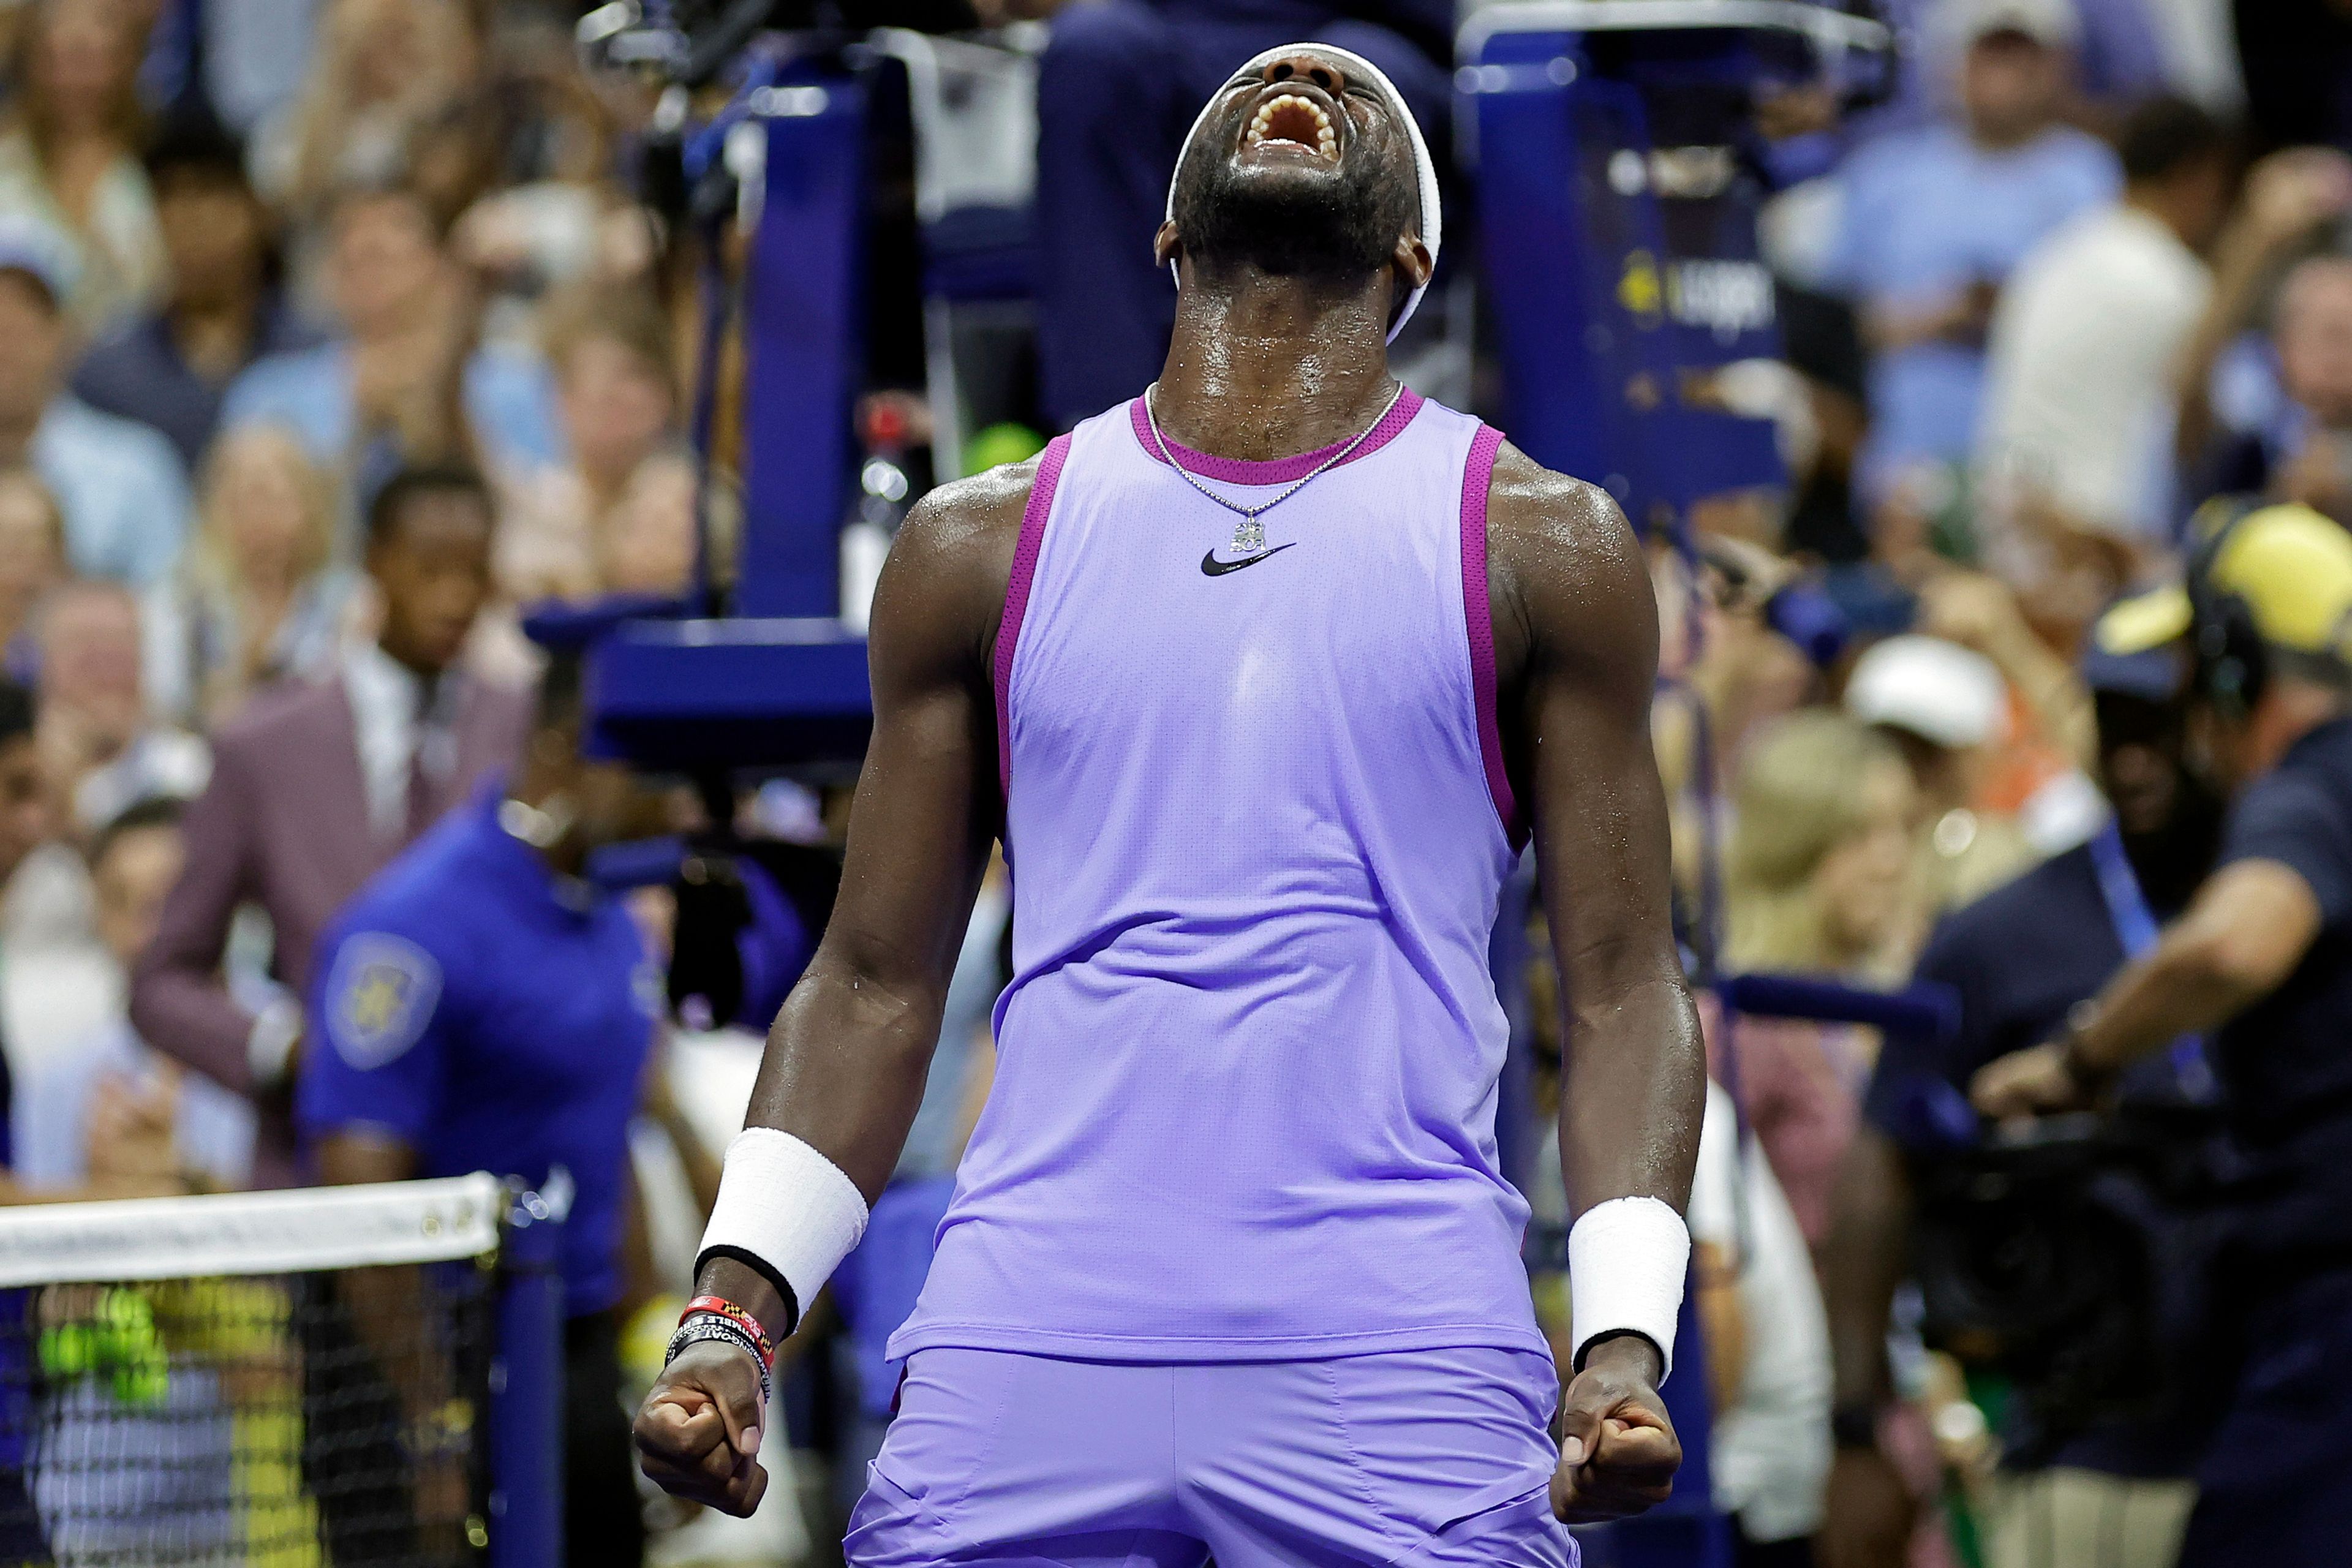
point(2087, 344)
point(316, 786)
point(1945, 707)
point(1819, 880)
point(1116, 89)
point(2303, 450)
point(80, 1099)
point(32, 563)
point(2249, 410)
point(118, 484)
point(258, 598)
point(222, 309)
point(625, 501)
point(403, 383)
point(71, 156)
point(103, 747)
point(1934, 219)
point(384, 70)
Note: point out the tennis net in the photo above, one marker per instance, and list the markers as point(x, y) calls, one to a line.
point(286, 1379)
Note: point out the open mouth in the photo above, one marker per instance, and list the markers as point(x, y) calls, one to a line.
point(1299, 121)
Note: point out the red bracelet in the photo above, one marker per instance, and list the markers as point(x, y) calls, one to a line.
point(719, 1307)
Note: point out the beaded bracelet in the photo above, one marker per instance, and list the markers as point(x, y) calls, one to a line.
point(713, 1327)
point(721, 1307)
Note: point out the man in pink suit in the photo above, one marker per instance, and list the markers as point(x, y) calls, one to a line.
point(315, 786)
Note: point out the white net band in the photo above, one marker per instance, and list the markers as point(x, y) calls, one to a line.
point(245, 1234)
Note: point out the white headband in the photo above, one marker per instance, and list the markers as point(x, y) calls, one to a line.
point(1433, 220)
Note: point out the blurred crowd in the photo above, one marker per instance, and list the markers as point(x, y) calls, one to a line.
point(336, 333)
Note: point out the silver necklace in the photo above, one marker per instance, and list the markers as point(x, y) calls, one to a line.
point(1249, 534)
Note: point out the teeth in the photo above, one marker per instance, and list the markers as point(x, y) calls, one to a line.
point(1326, 139)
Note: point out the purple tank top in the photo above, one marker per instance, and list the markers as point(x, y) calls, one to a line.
point(1245, 1098)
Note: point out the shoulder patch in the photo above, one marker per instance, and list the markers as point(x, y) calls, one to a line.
point(380, 996)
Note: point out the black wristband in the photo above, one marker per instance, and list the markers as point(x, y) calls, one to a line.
point(765, 1270)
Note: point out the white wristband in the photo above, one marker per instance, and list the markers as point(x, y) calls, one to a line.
point(783, 1202)
point(1627, 1260)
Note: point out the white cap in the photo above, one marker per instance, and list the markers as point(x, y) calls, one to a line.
point(2053, 23)
point(1935, 689)
point(1433, 220)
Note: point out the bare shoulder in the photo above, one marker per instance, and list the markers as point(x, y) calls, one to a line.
point(944, 583)
point(967, 521)
point(1564, 567)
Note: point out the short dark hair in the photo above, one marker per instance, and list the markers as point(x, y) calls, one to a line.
point(392, 498)
point(2168, 134)
point(196, 145)
point(155, 811)
point(17, 710)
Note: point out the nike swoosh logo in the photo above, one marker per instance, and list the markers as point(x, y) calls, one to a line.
point(1212, 567)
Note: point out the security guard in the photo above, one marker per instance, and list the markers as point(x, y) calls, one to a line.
point(2261, 963)
point(482, 1008)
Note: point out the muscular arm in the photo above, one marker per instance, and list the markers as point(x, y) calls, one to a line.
point(1576, 642)
point(1576, 637)
point(847, 1056)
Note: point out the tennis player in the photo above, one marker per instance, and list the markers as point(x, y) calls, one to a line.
point(1266, 675)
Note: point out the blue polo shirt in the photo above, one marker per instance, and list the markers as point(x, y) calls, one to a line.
point(1926, 213)
point(2287, 1061)
point(494, 1017)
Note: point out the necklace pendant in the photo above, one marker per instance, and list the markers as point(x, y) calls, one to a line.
point(1249, 537)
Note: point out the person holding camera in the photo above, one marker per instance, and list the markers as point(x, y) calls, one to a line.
point(2260, 961)
point(2018, 961)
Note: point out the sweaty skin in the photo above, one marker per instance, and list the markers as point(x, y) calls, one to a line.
point(1262, 365)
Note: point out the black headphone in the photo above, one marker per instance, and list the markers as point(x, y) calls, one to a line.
point(2230, 662)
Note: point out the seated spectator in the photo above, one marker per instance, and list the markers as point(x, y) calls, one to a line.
point(135, 1143)
point(170, 366)
point(258, 598)
point(2237, 423)
point(104, 750)
point(315, 786)
point(79, 1101)
point(2086, 349)
point(381, 70)
point(1944, 708)
point(403, 384)
point(32, 563)
point(1818, 880)
point(2291, 436)
point(627, 495)
point(1934, 219)
point(1116, 89)
point(120, 484)
point(70, 157)
point(2123, 51)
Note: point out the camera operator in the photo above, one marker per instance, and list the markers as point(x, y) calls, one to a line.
point(2020, 960)
point(2261, 961)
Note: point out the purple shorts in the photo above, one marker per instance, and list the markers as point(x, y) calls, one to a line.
point(1414, 1459)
